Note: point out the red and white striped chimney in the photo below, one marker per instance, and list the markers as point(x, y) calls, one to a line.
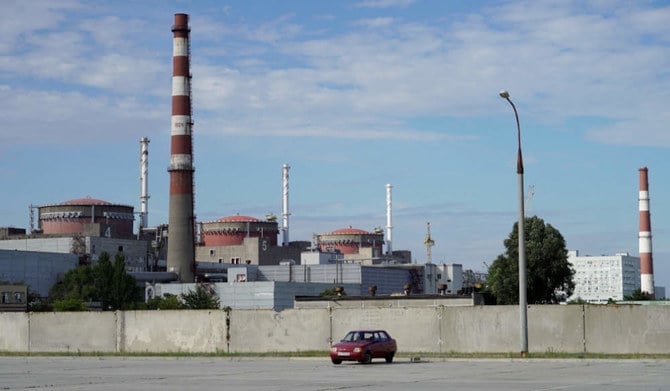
point(181, 230)
point(646, 260)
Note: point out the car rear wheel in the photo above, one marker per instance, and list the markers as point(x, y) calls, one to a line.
point(336, 361)
point(389, 358)
point(367, 358)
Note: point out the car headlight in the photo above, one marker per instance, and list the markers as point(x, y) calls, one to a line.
point(333, 349)
point(357, 350)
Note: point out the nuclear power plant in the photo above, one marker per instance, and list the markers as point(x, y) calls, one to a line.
point(242, 256)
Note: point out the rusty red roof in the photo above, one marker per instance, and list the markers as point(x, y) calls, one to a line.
point(349, 231)
point(238, 218)
point(85, 201)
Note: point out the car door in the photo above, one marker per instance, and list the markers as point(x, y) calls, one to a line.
point(384, 343)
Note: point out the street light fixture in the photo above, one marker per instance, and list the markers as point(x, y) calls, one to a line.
point(523, 300)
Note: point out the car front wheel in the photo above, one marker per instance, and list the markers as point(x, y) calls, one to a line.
point(367, 358)
point(389, 358)
point(336, 361)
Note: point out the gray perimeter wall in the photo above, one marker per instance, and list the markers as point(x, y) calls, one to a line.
point(486, 329)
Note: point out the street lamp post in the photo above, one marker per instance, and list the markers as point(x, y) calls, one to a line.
point(523, 300)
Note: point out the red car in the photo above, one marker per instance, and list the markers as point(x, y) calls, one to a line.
point(363, 346)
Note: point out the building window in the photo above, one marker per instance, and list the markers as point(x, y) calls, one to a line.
point(5, 297)
point(18, 297)
point(220, 260)
point(212, 252)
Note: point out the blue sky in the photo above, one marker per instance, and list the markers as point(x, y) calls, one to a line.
point(352, 95)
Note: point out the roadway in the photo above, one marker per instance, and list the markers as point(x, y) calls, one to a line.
point(296, 374)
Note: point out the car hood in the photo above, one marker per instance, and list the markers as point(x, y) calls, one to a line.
point(351, 345)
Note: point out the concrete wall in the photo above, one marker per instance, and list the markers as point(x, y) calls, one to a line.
point(286, 331)
point(14, 329)
point(172, 331)
point(72, 332)
point(488, 329)
point(415, 329)
point(627, 329)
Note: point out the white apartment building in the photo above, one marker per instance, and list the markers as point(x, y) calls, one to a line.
point(603, 277)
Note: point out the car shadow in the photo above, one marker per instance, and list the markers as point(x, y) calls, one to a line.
point(395, 362)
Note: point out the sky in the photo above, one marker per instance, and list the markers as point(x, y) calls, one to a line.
point(352, 94)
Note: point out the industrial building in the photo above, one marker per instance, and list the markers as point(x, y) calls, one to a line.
point(599, 279)
point(275, 287)
point(85, 227)
point(37, 270)
point(13, 297)
point(245, 240)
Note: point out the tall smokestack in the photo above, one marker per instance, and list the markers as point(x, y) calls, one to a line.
point(285, 212)
point(389, 227)
point(144, 183)
point(181, 230)
point(646, 260)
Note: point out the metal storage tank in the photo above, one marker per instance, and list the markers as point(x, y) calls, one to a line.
point(231, 230)
point(76, 216)
point(350, 240)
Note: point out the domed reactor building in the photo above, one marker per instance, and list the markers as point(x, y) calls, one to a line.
point(355, 245)
point(87, 217)
point(247, 240)
point(85, 227)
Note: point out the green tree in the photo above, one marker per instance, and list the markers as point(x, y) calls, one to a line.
point(549, 274)
point(124, 289)
point(167, 302)
point(105, 282)
point(69, 304)
point(335, 291)
point(77, 284)
point(200, 298)
point(638, 295)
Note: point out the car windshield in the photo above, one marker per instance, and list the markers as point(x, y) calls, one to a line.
point(355, 336)
point(352, 336)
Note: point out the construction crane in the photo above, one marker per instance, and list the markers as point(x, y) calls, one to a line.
point(429, 242)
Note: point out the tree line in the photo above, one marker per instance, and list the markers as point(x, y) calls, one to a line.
point(108, 287)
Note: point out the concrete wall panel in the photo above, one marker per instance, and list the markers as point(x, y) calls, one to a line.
point(415, 329)
point(14, 332)
point(72, 332)
point(555, 328)
point(286, 331)
point(195, 331)
point(480, 329)
point(627, 329)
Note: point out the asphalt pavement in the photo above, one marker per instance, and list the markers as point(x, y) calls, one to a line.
point(207, 373)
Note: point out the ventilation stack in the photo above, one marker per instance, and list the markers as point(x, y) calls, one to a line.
point(646, 260)
point(144, 184)
point(389, 227)
point(181, 230)
point(285, 212)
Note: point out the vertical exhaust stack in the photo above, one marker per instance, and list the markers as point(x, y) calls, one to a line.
point(181, 230)
point(389, 227)
point(285, 212)
point(646, 260)
point(144, 183)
